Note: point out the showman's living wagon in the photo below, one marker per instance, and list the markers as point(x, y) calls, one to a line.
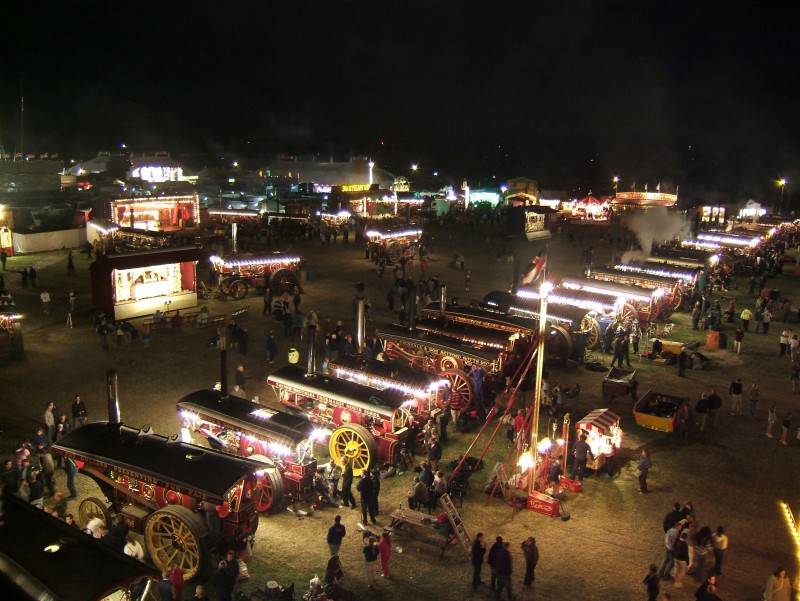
point(241, 427)
point(185, 499)
point(237, 274)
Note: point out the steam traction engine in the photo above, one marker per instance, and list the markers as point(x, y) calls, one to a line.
point(186, 500)
point(238, 274)
point(673, 288)
point(393, 244)
point(257, 432)
point(369, 426)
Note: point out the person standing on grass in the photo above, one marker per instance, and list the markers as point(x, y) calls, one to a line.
point(755, 395)
point(738, 337)
point(504, 571)
point(651, 583)
point(643, 466)
point(735, 390)
point(783, 341)
point(779, 587)
point(45, 298)
point(476, 553)
point(786, 426)
point(336, 534)
point(746, 316)
point(347, 484)
point(719, 541)
point(371, 555)
point(385, 549)
point(772, 418)
point(531, 553)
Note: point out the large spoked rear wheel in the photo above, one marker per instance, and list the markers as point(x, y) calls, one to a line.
point(174, 533)
point(591, 329)
point(282, 280)
point(239, 289)
point(462, 390)
point(357, 444)
point(96, 507)
point(269, 486)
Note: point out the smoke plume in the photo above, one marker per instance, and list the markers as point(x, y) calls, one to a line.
point(657, 225)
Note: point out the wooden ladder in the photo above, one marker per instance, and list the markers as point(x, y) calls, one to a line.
point(459, 530)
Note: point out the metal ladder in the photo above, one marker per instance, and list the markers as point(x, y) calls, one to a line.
point(459, 530)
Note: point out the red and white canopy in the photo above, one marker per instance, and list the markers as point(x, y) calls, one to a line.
point(599, 420)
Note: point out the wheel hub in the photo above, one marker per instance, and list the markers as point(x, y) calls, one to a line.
point(177, 543)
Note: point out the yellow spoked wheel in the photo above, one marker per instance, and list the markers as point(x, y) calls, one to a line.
point(176, 534)
point(591, 329)
point(357, 444)
point(97, 508)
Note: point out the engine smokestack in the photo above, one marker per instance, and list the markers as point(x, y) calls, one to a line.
point(223, 372)
point(412, 305)
point(311, 368)
point(361, 326)
point(443, 301)
point(112, 392)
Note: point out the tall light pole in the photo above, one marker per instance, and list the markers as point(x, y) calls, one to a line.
point(616, 184)
point(782, 183)
point(544, 291)
point(371, 165)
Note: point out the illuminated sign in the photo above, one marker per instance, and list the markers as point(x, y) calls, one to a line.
point(355, 188)
point(646, 198)
point(322, 188)
point(157, 173)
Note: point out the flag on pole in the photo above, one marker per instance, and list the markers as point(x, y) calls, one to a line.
point(536, 268)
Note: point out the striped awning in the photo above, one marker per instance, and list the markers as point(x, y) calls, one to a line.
point(599, 420)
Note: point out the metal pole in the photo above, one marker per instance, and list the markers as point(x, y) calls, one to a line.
point(360, 327)
point(537, 393)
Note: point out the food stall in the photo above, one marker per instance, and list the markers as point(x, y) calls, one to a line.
point(619, 382)
point(161, 213)
point(657, 411)
point(602, 433)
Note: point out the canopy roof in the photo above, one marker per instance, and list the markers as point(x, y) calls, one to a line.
point(599, 420)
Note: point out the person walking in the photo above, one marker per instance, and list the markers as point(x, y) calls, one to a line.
point(644, 466)
point(738, 337)
point(651, 583)
point(735, 390)
point(385, 549)
point(772, 418)
point(272, 347)
point(347, 484)
point(766, 320)
point(746, 316)
point(336, 533)
point(531, 553)
point(476, 553)
point(504, 570)
point(783, 341)
point(3, 258)
point(32, 276)
point(79, 413)
point(371, 555)
point(70, 264)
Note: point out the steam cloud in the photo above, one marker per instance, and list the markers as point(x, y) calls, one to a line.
point(655, 225)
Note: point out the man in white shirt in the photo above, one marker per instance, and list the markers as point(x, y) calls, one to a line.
point(720, 541)
point(93, 525)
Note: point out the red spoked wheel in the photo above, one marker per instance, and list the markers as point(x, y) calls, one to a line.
point(462, 389)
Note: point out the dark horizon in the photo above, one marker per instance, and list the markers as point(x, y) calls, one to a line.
point(570, 96)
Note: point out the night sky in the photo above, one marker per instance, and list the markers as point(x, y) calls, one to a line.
point(704, 95)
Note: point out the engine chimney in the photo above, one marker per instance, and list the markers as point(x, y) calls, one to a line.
point(112, 392)
point(412, 305)
point(311, 368)
point(443, 301)
point(223, 372)
point(361, 326)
